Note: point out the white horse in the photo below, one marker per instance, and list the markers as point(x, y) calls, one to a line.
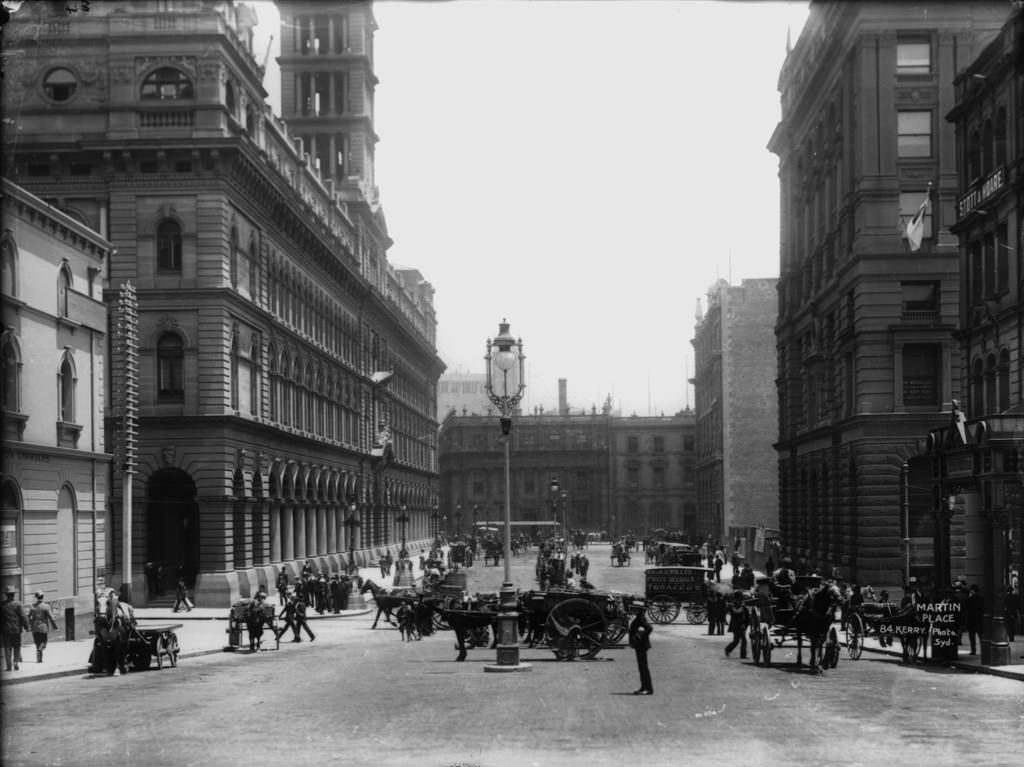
point(114, 621)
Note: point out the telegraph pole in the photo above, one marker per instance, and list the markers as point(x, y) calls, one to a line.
point(126, 347)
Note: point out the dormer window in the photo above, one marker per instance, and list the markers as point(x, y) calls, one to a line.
point(60, 84)
point(167, 83)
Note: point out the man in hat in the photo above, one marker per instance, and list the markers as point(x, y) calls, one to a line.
point(40, 621)
point(640, 640)
point(737, 625)
point(12, 623)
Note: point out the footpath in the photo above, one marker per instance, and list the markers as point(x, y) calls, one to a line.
point(203, 631)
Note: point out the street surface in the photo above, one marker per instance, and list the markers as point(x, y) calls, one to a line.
point(362, 697)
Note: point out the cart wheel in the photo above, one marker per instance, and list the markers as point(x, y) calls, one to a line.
point(854, 636)
point(696, 613)
point(172, 649)
point(766, 646)
point(577, 628)
point(663, 609)
point(831, 659)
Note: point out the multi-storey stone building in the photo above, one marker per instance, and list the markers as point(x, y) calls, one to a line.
point(463, 393)
point(865, 334)
point(53, 523)
point(737, 417)
point(978, 460)
point(287, 371)
point(617, 474)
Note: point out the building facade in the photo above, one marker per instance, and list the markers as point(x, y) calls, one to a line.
point(287, 371)
point(56, 469)
point(617, 475)
point(463, 393)
point(866, 326)
point(737, 416)
point(977, 459)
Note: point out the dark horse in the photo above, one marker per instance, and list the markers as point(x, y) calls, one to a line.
point(113, 622)
point(813, 616)
point(386, 603)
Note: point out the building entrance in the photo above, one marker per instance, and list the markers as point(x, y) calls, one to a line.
point(172, 523)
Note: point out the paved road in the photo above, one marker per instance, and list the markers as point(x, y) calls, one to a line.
point(363, 697)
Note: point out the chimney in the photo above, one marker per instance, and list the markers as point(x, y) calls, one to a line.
point(563, 402)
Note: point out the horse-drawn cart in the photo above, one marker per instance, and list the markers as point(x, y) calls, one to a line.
point(576, 624)
point(148, 642)
point(671, 589)
point(805, 610)
point(250, 618)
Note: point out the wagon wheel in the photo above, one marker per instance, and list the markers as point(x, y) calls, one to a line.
point(172, 648)
point(663, 609)
point(696, 613)
point(831, 657)
point(576, 628)
point(618, 625)
point(854, 636)
point(766, 646)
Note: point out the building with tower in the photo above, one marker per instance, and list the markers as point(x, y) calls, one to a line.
point(867, 310)
point(287, 372)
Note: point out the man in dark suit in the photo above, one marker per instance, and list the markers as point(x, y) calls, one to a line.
point(640, 640)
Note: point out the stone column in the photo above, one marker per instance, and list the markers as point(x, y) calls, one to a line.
point(321, 530)
point(299, 531)
point(287, 532)
point(275, 531)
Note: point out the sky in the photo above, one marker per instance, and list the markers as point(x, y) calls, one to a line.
point(585, 169)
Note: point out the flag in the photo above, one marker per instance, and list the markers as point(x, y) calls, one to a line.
point(915, 228)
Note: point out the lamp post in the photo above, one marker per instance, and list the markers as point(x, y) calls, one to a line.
point(436, 519)
point(403, 520)
point(476, 510)
point(505, 385)
point(351, 523)
point(458, 519)
point(558, 503)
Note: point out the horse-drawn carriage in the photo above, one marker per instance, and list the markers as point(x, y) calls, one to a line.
point(121, 644)
point(888, 622)
point(669, 590)
point(576, 624)
point(249, 617)
point(805, 610)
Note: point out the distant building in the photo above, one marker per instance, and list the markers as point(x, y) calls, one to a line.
point(618, 474)
point(866, 331)
point(737, 416)
point(462, 393)
point(54, 523)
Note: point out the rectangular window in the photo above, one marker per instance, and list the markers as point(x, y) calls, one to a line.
point(914, 134)
point(633, 478)
point(659, 478)
point(913, 57)
point(632, 445)
point(659, 444)
point(921, 373)
point(920, 300)
point(170, 376)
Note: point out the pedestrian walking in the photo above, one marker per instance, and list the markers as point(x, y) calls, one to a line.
point(12, 623)
point(282, 587)
point(288, 616)
point(150, 570)
point(40, 621)
point(1011, 609)
point(640, 640)
point(388, 562)
point(738, 621)
point(718, 568)
point(181, 597)
point(300, 621)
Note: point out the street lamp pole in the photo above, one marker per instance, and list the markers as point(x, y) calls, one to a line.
point(505, 385)
point(403, 520)
point(351, 523)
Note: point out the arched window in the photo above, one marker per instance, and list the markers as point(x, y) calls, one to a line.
point(1003, 374)
point(170, 362)
point(166, 83)
point(168, 246)
point(9, 268)
point(254, 378)
point(976, 404)
point(10, 358)
point(235, 383)
point(10, 519)
point(233, 257)
point(991, 404)
point(987, 147)
point(1000, 136)
point(250, 278)
point(64, 283)
point(286, 391)
point(60, 84)
point(274, 384)
point(229, 98)
point(66, 384)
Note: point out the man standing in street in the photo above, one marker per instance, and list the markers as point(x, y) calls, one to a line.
point(12, 623)
point(975, 607)
point(640, 641)
point(737, 626)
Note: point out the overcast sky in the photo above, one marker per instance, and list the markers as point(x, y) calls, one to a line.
point(586, 169)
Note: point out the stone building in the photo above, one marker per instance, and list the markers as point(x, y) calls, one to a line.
point(617, 474)
point(463, 393)
point(287, 371)
point(737, 417)
point(53, 528)
point(867, 351)
point(977, 458)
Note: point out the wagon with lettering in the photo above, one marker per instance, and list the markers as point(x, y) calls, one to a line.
point(913, 626)
point(671, 590)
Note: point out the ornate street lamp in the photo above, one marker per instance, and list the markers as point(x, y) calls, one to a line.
point(558, 503)
point(403, 520)
point(458, 519)
point(436, 519)
point(505, 385)
point(351, 523)
point(476, 511)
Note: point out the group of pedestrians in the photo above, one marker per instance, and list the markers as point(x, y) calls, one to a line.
point(321, 592)
point(14, 620)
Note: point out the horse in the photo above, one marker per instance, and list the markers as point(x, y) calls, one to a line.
point(113, 622)
point(386, 602)
point(257, 616)
point(812, 618)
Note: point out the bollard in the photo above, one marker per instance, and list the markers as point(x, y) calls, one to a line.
point(69, 624)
